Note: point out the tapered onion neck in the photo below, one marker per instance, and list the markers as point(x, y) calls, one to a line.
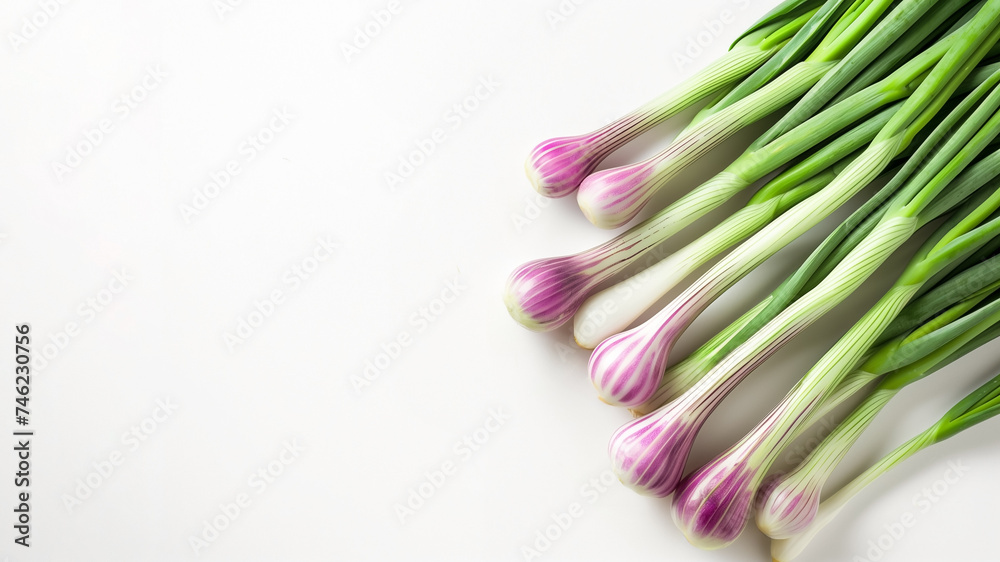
point(685, 374)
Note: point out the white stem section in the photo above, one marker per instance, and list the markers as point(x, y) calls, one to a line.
point(734, 65)
point(612, 310)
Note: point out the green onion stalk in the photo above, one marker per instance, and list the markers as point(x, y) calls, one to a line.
point(896, 40)
point(923, 337)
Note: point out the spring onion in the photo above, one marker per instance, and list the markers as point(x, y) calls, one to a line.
point(977, 407)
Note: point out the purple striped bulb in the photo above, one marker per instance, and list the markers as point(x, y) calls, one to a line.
point(557, 166)
point(544, 294)
point(712, 505)
point(626, 369)
point(787, 504)
point(611, 198)
point(648, 454)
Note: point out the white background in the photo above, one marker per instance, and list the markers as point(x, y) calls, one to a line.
point(457, 217)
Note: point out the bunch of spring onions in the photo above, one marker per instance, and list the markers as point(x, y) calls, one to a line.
point(902, 93)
